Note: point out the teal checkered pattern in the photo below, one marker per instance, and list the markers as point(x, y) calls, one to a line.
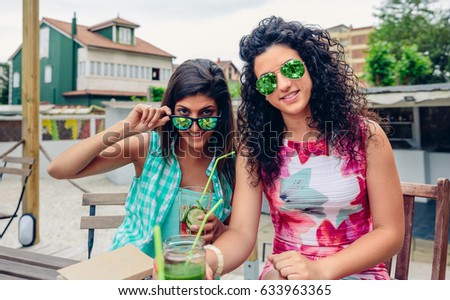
point(151, 196)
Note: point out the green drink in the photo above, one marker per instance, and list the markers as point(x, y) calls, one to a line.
point(181, 261)
point(183, 271)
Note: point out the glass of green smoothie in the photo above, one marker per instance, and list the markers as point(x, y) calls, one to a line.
point(181, 261)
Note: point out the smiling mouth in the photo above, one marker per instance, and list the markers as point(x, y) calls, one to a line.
point(290, 96)
point(196, 134)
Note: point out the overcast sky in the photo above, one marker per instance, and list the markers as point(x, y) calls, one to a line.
point(190, 28)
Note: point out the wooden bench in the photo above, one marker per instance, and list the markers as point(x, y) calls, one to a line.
point(94, 221)
point(21, 264)
point(438, 192)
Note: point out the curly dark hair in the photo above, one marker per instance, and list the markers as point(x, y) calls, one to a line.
point(202, 77)
point(338, 98)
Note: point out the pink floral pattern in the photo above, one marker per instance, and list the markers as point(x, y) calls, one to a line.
point(319, 204)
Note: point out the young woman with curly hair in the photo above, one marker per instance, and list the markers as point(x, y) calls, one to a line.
point(310, 145)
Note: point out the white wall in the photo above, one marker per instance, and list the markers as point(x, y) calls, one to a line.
point(411, 165)
point(439, 166)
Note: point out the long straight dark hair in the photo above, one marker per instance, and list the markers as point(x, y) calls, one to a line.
point(202, 77)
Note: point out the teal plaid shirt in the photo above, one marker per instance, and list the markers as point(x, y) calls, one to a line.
point(152, 194)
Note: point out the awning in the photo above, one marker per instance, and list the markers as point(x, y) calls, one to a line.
point(413, 95)
point(411, 98)
point(16, 109)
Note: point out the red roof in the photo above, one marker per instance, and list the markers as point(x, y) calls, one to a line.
point(92, 39)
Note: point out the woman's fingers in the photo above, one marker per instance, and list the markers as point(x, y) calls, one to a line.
point(153, 117)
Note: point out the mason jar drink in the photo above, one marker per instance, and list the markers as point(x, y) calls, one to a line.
point(181, 261)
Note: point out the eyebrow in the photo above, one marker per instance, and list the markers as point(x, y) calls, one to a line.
point(203, 108)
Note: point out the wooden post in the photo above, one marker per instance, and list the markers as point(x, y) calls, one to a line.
point(30, 104)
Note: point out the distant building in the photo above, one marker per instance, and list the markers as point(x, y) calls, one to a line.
point(355, 45)
point(86, 65)
point(229, 69)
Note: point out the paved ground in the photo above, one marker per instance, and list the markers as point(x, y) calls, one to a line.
point(60, 212)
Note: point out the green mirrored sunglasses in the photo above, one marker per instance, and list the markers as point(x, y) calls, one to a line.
point(205, 123)
point(292, 69)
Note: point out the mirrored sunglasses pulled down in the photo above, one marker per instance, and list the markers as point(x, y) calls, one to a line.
point(292, 69)
point(205, 123)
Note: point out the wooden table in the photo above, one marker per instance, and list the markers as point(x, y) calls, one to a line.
point(21, 264)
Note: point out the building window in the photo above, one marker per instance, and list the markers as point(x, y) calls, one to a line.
point(119, 70)
point(124, 71)
point(16, 79)
point(111, 69)
point(401, 129)
point(124, 35)
point(358, 67)
point(44, 40)
point(48, 74)
point(105, 69)
point(92, 68)
point(98, 69)
point(165, 74)
point(359, 39)
point(434, 128)
point(358, 53)
point(155, 73)
point(81, 68)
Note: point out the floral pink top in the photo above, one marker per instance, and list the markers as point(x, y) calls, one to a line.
point(319, 204)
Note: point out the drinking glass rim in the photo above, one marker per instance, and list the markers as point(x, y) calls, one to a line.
point(190, 188)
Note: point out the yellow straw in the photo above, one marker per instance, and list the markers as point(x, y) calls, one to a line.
point(212, 172)
point(158, 252)
point(199, 233)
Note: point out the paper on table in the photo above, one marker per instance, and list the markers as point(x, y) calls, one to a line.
point(127, 262)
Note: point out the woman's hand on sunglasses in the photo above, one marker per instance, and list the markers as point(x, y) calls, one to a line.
point(146, 117)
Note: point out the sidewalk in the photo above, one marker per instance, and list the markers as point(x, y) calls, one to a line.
point(61, 210)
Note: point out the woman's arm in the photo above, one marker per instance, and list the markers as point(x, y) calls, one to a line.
point(386, 205)
point(237, 242)
point(112, 148)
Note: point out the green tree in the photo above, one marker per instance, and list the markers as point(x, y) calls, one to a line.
point(417, 22)
point(412, 65)
point(380, 65)
point(157, 93)
point(235, 89)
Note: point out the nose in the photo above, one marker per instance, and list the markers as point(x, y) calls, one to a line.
point(195, 127)
point(283, 83)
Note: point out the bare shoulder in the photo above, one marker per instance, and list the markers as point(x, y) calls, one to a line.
point(376, 137)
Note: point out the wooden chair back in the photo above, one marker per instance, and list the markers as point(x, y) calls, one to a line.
point(26, 164)
point(94, 221)
point(438, 192)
